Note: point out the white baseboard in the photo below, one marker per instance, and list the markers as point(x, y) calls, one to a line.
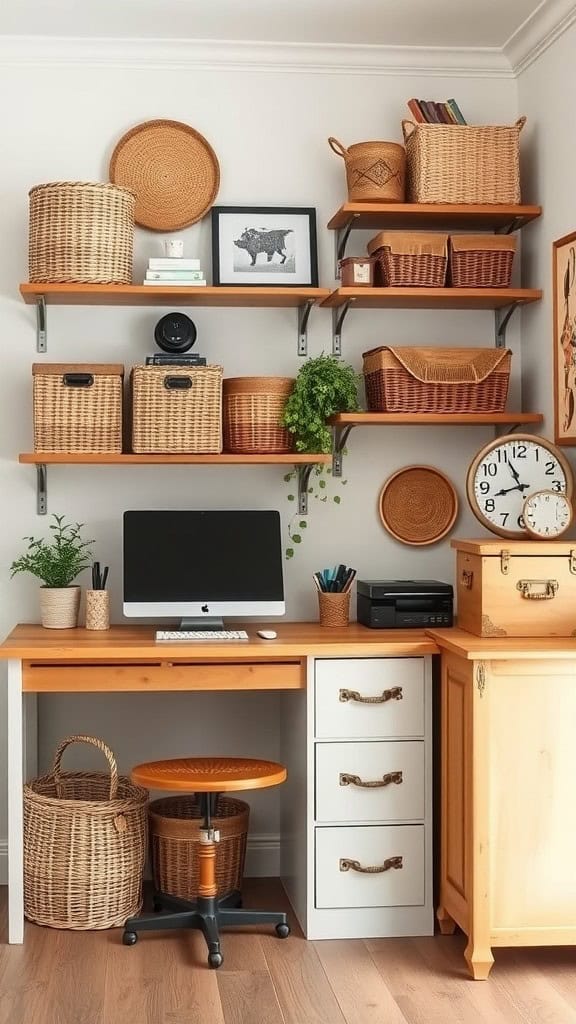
point(262, 857)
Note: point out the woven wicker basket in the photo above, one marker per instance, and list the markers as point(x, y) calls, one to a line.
point(375, 171)
point(84, 846)
point(410, 259)
point(177, 409)
point(252, 409)
point(175, 824)
point(463, 163)
point(334, 609)
point(481, 261)
point(438, 380)
point(77, 407)
point(81, 232)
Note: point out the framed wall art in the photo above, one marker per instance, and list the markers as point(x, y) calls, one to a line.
point(564, 287)
point(264, 245)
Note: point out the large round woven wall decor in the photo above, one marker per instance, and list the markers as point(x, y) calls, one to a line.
point(172, 169)
point(418, 505)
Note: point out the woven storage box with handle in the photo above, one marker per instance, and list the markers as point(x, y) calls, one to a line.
point(84, 845)
point(81, 233)
point(454, 163)
point(175, 824)
point(438, 380)
point(375, 171)
point(252, 409)
point(177, 409)
point(481, 261)
point(410, 259)
point(77, 407)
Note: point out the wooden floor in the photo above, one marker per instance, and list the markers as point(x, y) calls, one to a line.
point(62, 977)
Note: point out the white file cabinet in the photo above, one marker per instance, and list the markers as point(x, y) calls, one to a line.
point(357, 811)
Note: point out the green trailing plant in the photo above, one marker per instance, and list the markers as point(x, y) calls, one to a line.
point(58, 560)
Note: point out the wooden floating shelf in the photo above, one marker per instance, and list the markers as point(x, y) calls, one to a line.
point(174, 459)
point(431, 298)
point(141, 295)
point(381, 419)
point(437, 215)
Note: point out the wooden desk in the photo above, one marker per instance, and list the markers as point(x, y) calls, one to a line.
point(126, 658)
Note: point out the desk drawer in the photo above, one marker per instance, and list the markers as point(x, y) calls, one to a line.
point(117, 677)
point(342, 767)
point(369, 846)
point(345, 687)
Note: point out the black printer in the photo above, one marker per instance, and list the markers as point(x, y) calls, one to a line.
point(404, 604)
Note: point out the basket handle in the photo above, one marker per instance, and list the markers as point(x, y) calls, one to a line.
point(520, 123)
point(407, 128)
point(94, 742)
point(337, 147)
point(178, 383)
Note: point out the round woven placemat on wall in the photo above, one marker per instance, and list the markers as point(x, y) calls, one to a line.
point(418, 505)
point(172, 169)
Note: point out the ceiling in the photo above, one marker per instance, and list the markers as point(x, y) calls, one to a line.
point(429, 23)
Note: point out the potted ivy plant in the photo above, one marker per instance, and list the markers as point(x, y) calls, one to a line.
point(57, 562)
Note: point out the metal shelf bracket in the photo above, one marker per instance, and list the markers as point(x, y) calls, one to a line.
point(501, 320)
point(303, 483)
point(41, 328)
point(338, 318)
point(41, 489)
point(341, 237)
point(340, 437)
point(303, 315)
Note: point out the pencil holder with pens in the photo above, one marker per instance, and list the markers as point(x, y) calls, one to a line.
point(97, 609)
point(334, 609)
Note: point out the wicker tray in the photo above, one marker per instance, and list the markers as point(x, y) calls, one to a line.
point(173, 171)
point(481, 261)
point(409, 259)
point(418, 505)
point(252, 408)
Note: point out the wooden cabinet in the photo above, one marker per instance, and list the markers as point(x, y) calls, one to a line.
point(508, 814)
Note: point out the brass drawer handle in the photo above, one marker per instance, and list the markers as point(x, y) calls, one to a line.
point(386, 780)
point(394, 694)
point(354, 865)
point(549, 589)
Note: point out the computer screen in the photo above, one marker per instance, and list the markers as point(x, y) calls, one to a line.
point(202, 564)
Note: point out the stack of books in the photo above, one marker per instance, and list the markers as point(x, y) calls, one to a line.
point(436, 113)
point(169, 271)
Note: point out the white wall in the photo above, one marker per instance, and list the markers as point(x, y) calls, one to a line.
point(269, 130)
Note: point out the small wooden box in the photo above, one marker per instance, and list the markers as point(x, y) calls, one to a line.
point(516, 588)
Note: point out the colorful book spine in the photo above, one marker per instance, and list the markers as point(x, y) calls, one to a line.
point(172, 263)
point(455, 109)
point(416, 111)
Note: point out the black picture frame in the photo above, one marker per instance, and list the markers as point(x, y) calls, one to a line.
point(293, 265)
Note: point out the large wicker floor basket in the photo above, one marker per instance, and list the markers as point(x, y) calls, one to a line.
point(252, 408)
point(84, 846)
point(175, 823)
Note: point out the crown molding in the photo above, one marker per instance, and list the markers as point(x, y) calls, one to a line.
point(210, 54)
point(544, 26)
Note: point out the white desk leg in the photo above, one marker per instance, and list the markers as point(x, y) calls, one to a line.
point(15, 817)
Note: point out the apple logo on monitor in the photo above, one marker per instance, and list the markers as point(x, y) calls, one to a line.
point(205, 609)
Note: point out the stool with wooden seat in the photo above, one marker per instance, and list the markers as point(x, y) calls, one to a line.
point(207, 777)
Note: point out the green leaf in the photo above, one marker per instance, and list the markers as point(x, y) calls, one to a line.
point(336, 499)
point(287, 477)
point(322, 483)
point(303, 524)
point(289, 552)
point(290, 497)
point(296, 538)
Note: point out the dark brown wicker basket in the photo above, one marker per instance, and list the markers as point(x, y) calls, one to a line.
point(481, 261)
point(409, 259)
point(175, 824)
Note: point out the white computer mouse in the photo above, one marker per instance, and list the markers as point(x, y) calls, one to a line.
point(267, 634)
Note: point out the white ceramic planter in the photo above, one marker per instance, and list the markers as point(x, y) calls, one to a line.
point(59, 607)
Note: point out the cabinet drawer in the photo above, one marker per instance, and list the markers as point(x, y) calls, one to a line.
point(341, 768)
point(369, 846)
point(371, 698)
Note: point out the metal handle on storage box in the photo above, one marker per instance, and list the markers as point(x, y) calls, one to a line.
point(354, 865)
point(394, 694)
point(467, 579)
point(78, 380)
point(178, 383)
point(549, 589)
point(386, 780)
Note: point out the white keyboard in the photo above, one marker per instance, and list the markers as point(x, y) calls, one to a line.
point(191, 635)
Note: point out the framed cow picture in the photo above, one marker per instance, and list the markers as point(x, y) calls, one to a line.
point(264, 245)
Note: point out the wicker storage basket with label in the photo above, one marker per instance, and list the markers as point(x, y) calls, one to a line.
point(175, 824)
point(409, 259)
point(456, 163)
point(77, 407)
point(437, 380)
point(81, 233)
point(177, 409)
point(375, 171)
point(252, 409)
point(85, 837)
point(481, 261)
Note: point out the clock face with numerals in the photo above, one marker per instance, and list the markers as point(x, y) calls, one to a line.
point(506, 472)
point(547, 514)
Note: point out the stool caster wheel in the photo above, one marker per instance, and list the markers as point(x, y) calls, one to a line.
point(282, 931)
point(129, 939)
point(215, 960)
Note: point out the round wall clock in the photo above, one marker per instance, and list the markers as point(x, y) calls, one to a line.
point(547, 514)
point(507, 471)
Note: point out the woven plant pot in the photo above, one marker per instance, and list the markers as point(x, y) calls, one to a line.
point(59, 607)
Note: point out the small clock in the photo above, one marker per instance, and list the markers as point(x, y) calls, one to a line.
point(507, 471)
point(547, 514)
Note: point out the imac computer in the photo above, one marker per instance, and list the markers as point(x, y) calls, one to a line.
point(198, 566)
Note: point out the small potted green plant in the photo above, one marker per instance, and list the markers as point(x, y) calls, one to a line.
point(57, 562)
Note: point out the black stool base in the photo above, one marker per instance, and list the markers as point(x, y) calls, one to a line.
point(207, 914)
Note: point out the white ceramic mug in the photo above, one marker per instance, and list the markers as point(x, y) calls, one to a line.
point(174, 247)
